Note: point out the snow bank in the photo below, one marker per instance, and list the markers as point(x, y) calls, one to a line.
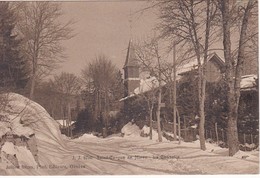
point(4, 128)
point(23, 117)
point(27, 117)
point(246, 155)
point(131, 130)
point(14, 116)
point(23, 155)
point(85, 138)
point(146, 130)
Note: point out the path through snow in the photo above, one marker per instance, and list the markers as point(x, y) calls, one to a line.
point(90, 155)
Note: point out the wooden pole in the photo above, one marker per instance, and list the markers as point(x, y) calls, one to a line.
point(252, 140)
point(158, 115)
point(69, 119)
point(216, 130)
point(174, 94)
point(62, 114)
point(223, 135)
point(179, 125)
point(244, 138)
point(185, 131)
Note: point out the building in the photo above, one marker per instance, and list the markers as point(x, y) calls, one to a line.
point(131, 71)
point(135, 108)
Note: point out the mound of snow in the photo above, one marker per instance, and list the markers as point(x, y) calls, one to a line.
point(246, 155)
point(146, 130)
point(24, 117)
point(23, 155)
point(85, 138)
point(131, 130)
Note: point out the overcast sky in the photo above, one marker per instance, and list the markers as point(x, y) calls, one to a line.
point(103, 28)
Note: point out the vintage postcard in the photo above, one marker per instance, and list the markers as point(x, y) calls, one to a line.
point(129, 87)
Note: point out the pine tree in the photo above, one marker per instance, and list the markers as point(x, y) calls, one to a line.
point(13, 67)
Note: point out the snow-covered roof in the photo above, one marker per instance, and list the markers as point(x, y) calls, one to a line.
point(189, 65)
point(151, 82)
point(147, 85)
point(248, 82)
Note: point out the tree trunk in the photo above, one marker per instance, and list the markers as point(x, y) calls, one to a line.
point(158, 115)
point(151, 122)
point(232, 135)
point(62, 116)
point(216, 131)
point(32, 87)
point(105, 113)
point(96, 112)
point(69, 120)
point(179, 125)
point(174, 95)
point(202, 86)
point(232, 132)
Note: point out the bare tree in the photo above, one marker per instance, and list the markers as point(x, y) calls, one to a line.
point(43, 33)
point(189, 23)
point(101, 76)
point(147, 92)
point(68, 86)
point(150, 58)
point(234, 65)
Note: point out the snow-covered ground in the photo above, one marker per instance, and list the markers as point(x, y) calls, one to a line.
point(89, 155)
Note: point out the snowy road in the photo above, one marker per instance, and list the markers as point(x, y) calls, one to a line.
point(89, 155)
point(143, 156)
point(131, 155)
point(136, 156)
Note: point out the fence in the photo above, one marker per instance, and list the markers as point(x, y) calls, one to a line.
point(188, 134)
point(216, 134)
point(221, 135)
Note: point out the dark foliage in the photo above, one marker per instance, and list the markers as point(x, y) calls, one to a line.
point(85, 123)
point(14, 71)
point(216, 105)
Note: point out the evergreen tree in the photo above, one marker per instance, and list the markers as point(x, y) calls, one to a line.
point(13, 67)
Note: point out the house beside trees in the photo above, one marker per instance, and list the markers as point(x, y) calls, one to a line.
point(139, 90)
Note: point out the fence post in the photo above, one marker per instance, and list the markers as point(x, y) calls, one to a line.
point(252, 140)
point(216, 130)
point(223, 135)
point(185, 130)
point(244, 138)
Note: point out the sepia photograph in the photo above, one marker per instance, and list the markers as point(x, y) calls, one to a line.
point(129, 87)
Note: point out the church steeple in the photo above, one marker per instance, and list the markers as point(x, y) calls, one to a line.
point(131, 59)
point(131, 70)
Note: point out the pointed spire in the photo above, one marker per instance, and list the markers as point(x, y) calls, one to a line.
point(131, 23)
point(131, 59)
